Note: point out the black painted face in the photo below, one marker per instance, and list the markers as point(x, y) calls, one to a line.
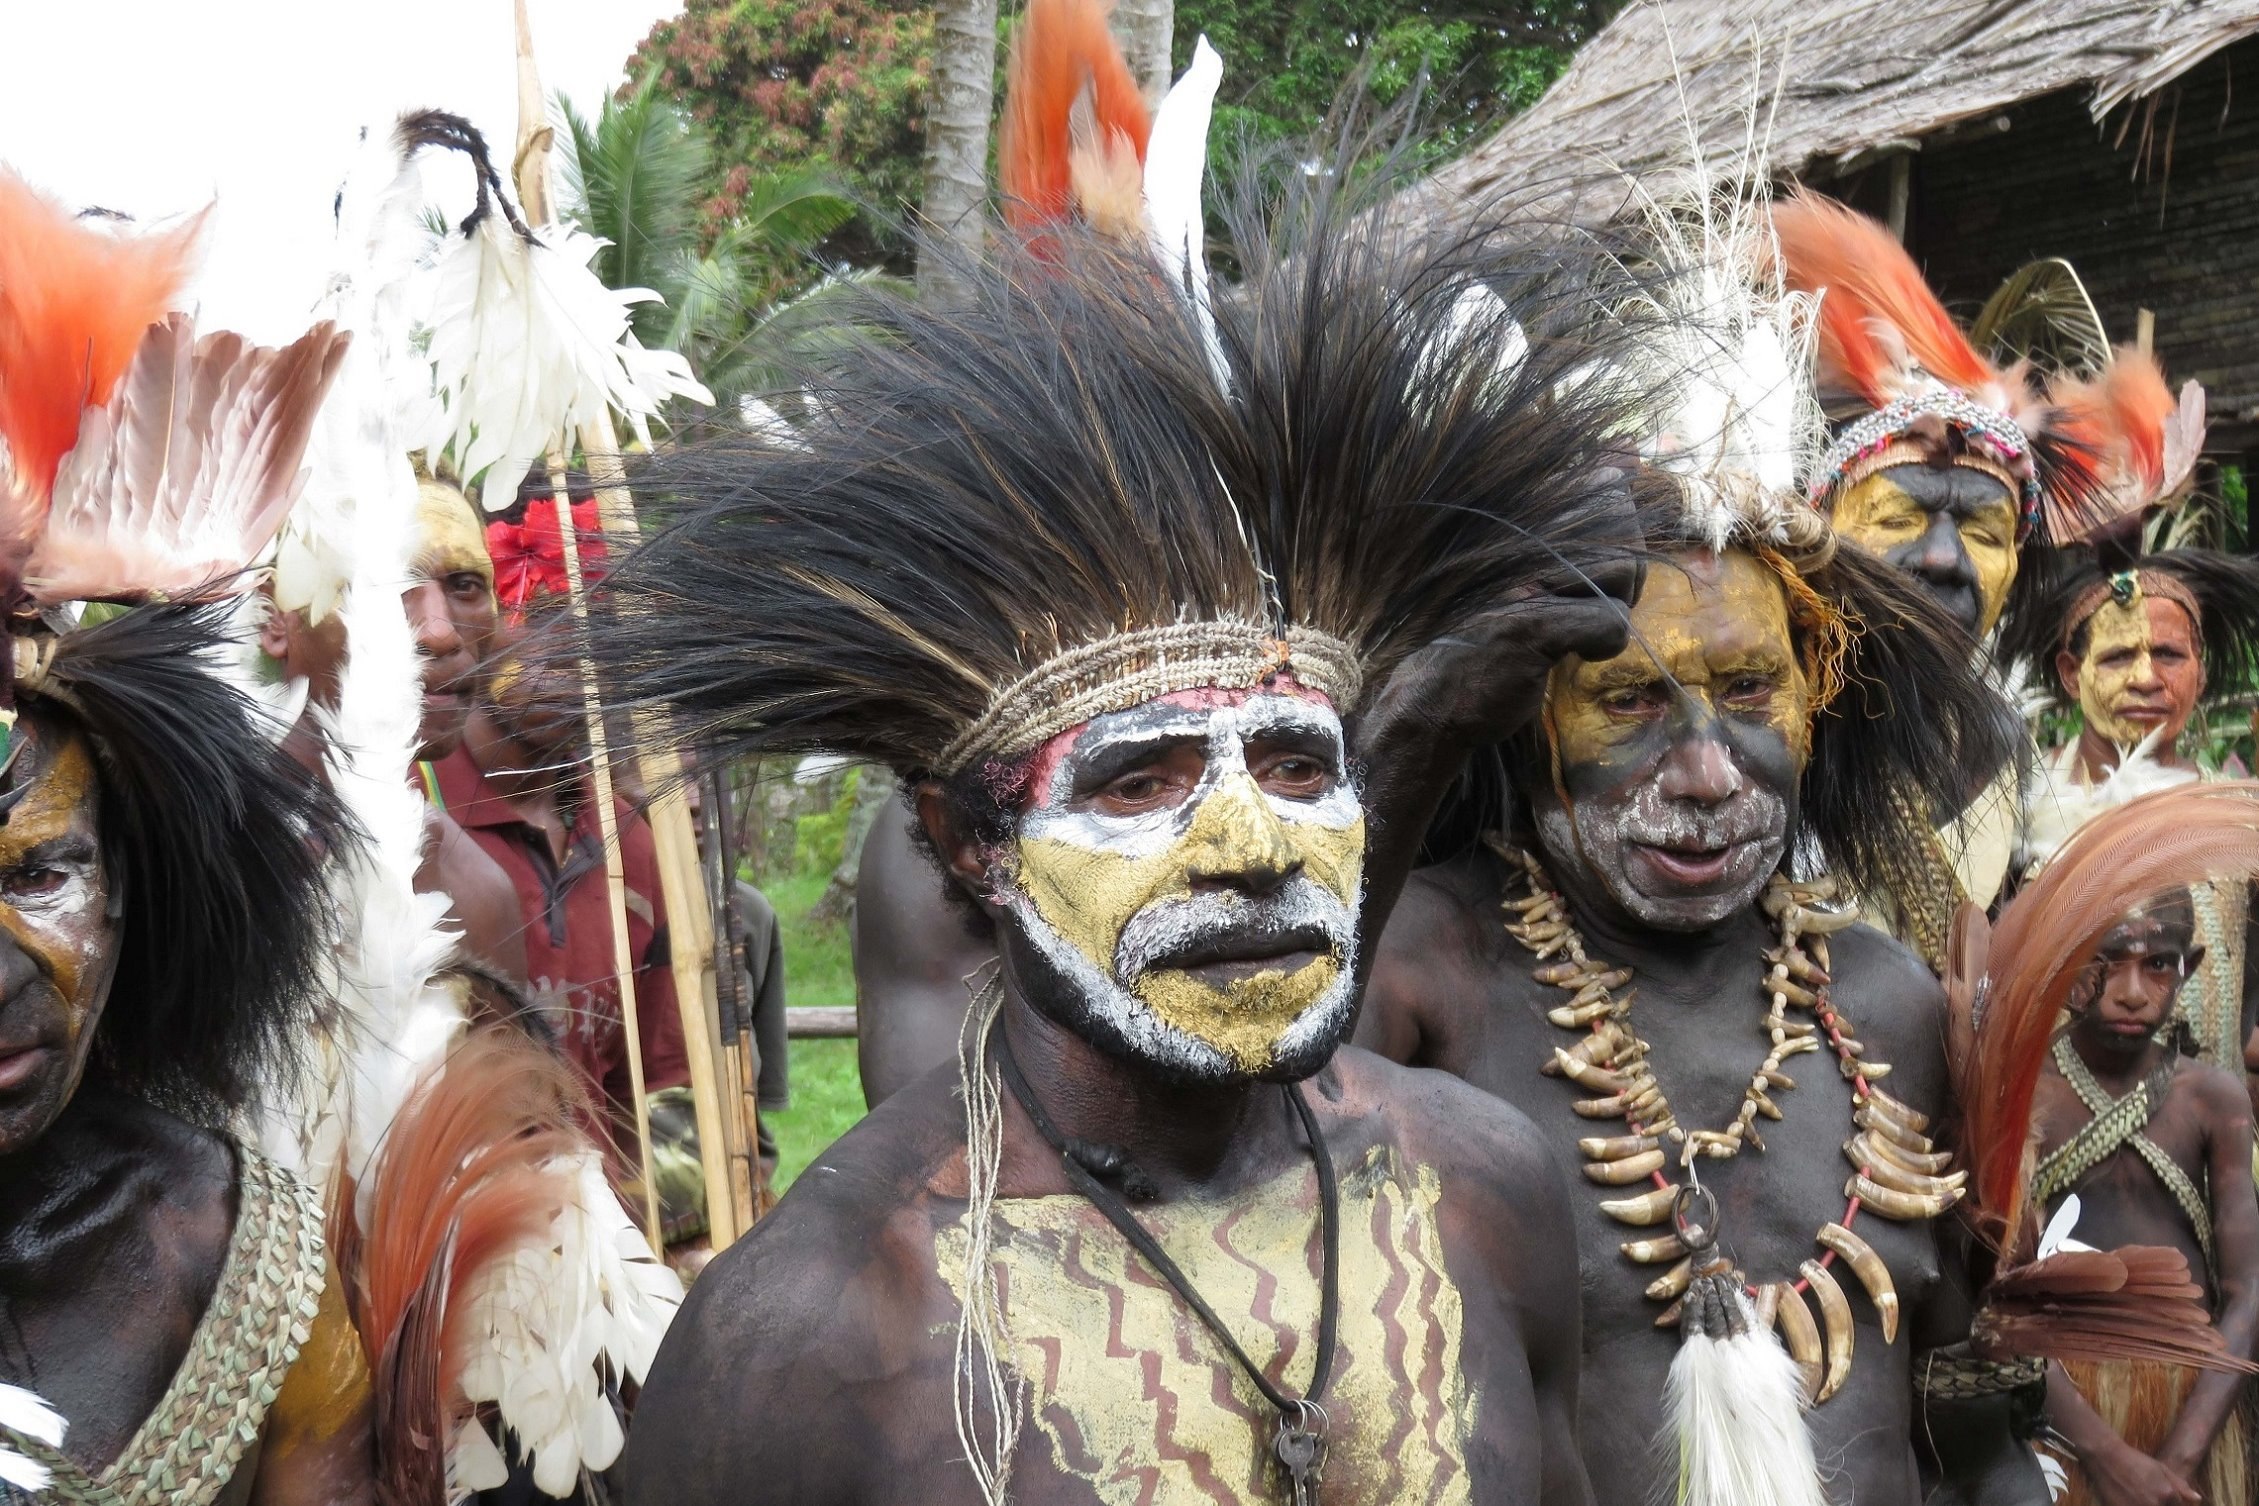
point(1680, 757)
point(1952, 528)
point(58, 939)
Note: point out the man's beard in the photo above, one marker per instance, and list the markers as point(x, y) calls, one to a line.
point(1600, 836)
point(1103, 1008)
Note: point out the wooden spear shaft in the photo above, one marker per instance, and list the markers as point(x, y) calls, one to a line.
point(725, 1136)
point(615, 869)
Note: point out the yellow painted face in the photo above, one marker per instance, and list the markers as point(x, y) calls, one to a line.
point(2141, 671)
point(449, 540)
point(1680, 757)
point(1954, 528)
point(1189, 872)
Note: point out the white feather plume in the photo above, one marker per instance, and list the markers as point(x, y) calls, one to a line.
point(1739, 422)
point(1176, 167)
point(588, 1290)
point(526, 342)
point(1736, 1410)
point(26, 1416)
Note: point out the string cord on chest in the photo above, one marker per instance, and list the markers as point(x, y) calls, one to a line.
point(1292, 1410)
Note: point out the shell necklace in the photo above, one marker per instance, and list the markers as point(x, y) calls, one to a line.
point(1897, 1173)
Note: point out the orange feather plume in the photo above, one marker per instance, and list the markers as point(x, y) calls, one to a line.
point(470, 1168)
point(2046, 936)
point(2122, 415)
point(74, 303)
point(1877, 312)
point(1073, 136)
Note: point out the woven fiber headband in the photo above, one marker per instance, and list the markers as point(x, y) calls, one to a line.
point(1129, 669)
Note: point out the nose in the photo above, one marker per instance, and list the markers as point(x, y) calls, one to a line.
point(1700, 768)
point(1940, 556)
point(2145, 677)
point(2127, 990)
point(1238, 842)
point(434, 629)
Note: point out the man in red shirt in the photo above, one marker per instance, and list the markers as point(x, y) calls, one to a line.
point(519, 785)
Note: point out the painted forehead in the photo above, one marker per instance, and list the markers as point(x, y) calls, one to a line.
point(448, 537)
point(2164, 927)
point(1282, 705)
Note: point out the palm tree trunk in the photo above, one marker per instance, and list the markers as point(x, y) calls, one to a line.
point(1146, 29)
point(964, 83)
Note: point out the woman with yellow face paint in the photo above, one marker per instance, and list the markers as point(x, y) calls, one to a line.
point(1175, 661)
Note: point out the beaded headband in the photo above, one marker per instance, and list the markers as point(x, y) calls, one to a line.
point(1994, 436)
point(2125, 588)
point(1129, 669)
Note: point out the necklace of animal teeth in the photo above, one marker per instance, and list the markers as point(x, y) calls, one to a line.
point(1897, 1173)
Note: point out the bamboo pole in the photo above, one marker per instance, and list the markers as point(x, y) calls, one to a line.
point(715, 1069)
point(615, 871)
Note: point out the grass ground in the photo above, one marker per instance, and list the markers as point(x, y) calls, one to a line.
point(827, 1090)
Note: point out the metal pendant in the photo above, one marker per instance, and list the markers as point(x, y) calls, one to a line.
point(1300, 1447)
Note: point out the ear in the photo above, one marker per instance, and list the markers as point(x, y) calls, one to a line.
point(961, 853)
point(274, 633)
point(2067, 672)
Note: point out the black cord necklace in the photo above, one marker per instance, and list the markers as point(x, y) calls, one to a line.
point(1299, 1445)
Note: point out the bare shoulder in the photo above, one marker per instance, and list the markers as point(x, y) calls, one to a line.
point(1442, 942)
point(832, 1294)
point(1470, 1137)
point(2221, 1092)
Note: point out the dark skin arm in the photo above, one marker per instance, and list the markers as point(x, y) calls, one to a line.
point(2235, 1233)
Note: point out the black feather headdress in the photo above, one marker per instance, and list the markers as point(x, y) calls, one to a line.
point(214, 842)
point(1004, 507)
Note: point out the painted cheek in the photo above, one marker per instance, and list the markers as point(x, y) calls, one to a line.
point(1995, 567)
point(1088, 895)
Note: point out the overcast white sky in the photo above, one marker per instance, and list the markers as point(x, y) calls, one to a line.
point(156, 107)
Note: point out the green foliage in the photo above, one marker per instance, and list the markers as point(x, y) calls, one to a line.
point(1287, 61)
point(827, 1100)
point(836, 87)
point(820, 837)
point(736, 302)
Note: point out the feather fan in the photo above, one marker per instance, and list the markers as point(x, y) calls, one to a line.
point(74, 302)
point(184, 477)
point(2041, 945)
point(2137, 1302)
point(1074, 130)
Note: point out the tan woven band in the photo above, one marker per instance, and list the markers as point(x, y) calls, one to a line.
point(1906, 452)
point(1129, 669)
point(2125, 586)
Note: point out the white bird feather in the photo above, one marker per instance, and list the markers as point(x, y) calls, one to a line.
point(1176, 166)
point(25, 1415)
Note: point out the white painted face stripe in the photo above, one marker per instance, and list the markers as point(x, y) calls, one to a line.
point(1226, 730)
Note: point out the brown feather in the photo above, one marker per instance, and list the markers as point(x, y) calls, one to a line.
point(2045, 938)
point(2132, 1303)
point(185, 476)
point(471, 1167)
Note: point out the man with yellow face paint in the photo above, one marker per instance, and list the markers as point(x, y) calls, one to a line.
point(1174, 662)
point(1948, 468)
point(1616, 941)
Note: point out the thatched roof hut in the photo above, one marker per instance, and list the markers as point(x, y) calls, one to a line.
point(1988, 132)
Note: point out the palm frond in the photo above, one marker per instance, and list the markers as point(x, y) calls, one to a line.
point(2042, 314)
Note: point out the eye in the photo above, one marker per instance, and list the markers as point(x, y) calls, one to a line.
point(1750, 690)
point(1634, 701)
point(32, 882)
point(1140, 788)
point(1297, 774)
point(466, 585)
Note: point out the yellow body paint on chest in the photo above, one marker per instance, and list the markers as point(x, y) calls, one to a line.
point(1138, 1400)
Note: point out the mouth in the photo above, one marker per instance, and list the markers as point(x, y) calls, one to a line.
point(1234, 957)
point(18, 1064)
point(1688, 864)
point(2129, 1028)
point(2144, 716)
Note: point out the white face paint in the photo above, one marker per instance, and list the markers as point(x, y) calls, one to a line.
point(1190, 871)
